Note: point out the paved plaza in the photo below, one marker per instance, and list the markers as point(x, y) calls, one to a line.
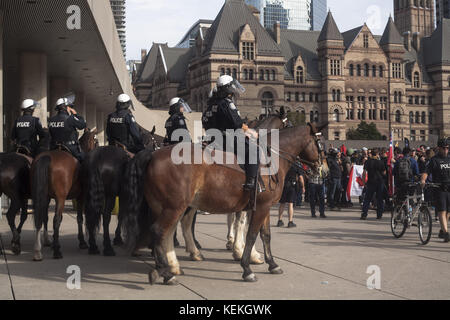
point(321, 259)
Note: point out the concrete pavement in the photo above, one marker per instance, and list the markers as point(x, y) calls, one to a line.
point(321, 258)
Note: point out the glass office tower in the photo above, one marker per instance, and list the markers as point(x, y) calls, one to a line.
point(292, 14)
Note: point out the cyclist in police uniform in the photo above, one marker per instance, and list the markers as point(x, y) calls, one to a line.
point(27, 129)
point(222, 114)
point(176, 120)
point(63, 127)
point(121, 126)
point(439, 168)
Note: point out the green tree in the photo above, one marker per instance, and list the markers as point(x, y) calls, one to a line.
point(296, 118)
point(365, 131)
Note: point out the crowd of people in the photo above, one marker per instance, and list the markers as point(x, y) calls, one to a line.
point(409, 165)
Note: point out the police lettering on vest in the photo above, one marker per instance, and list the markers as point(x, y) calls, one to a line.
point(56, 124)
point(439, 169)
point(116, 120)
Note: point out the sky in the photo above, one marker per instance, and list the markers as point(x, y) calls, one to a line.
point(168, 21)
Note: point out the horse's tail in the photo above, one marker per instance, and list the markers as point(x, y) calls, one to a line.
point(95, 199)
point(39, 190)
point(137, 218)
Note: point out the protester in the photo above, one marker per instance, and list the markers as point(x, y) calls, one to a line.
point(316, 192)
point(293, 178)
point(335, 184)
point(374, 171)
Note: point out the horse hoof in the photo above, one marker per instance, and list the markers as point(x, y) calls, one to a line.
point(94, 251)
point(153, 276)
point(250, 278)
point(177, 272)
point(171, 281)
point(83, 245)
point(197, 257)
point(109, 252)
point(118, 242)
point(15, 248)
point(37, 256)
point(230, 245)
point(276, 270)
point(57, 255)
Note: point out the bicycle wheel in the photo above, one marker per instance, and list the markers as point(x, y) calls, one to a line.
point(425, 222)
point(398, 221)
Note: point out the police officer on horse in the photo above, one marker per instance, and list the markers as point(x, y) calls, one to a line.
point(222, 114)
point(27, 129)
point(121, 127)
point(63, 127)
point(176, 120)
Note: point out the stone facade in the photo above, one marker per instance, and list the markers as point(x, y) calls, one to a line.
point(343, 78)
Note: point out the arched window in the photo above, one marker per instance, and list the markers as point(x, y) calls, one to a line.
point(273, 75)
point(352, 70)
point(366, 70)
point(316, 116)
point(374, 71)
point(416, 80)
point(267, 75)
point(222, 71)
point(299, 75)
point(228, 71)
point(334, 95)
point(234, 73)
point(245, 74)
point(399, 97)
point(380, 71)
point(411, 117)
point(267, 102)
point(261, 75)
point(395, 97)
point(417, 117)
point(358, 70)
point(336, 116)
point(398, 116)
point(338, 95)
point(311, 116)
point(250, 74)
point(424, 116)
point(430, 118)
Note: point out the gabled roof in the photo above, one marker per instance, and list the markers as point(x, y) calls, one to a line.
point(391, 35)
point(330, 31)
point(303, 43)
point(437, 46)
point(176, 60)
point(350, 36)
point(223, 36)
point(148, 65)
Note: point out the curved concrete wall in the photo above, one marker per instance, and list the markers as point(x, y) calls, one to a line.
point(146, 118)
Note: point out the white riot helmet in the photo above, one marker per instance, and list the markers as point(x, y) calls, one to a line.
point(67, 100)
point(29, 104)
point(227, 85)
point(176, 103)
point(124, 102)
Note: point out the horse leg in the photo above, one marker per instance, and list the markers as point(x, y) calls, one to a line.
point(256, 221)
point(37, 256)
point(231, 218)
point(47, 242)
point(11, 216)
point(24, 215)
point(118, 241)
point(186, 223)
point(162, 234)
point(80, 205)
point(194, 221)
point(57, 219)
point(108, 250)
point(265, 237)
point(241, 225)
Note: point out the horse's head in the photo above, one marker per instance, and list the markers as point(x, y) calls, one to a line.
point(88, 141)
point(315, 152)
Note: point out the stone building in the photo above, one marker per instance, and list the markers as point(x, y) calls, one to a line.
point(395, 80)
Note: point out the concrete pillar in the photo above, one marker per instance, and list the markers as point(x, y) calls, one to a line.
point(33, 81)
point(101, 128)
point(91, 116)
point(59, 87)
point(2, 136)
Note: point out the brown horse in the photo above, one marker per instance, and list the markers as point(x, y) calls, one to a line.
point(169, 189)
point(57, 174)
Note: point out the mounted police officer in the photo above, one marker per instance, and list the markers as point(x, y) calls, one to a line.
point(176, 120)
point(439, 169)
point(63, 127)
point(222, 114)
point(121, 127)
point(27, 128)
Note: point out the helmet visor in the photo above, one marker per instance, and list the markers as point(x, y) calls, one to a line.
point(69, 98)
point(237, 87)
point(185, 106)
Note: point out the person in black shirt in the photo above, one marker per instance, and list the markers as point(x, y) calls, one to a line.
point(27, 129)
point(335, 185)
point(176, 120)
point(439, 169)
point(293, 179)
point(374, 171)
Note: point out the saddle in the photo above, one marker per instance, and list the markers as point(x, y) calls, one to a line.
point(25, 152)
point(124, 148)
point(62, 147)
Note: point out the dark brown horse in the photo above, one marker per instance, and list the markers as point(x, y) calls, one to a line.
point(57, 175)
point(169, 189)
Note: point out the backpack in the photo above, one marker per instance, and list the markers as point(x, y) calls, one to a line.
point(404, 171)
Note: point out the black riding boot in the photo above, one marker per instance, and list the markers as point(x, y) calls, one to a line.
point(250, 184)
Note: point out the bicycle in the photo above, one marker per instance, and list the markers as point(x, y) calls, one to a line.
point(404, 215)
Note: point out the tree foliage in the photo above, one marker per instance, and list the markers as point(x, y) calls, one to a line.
point(365, 131)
